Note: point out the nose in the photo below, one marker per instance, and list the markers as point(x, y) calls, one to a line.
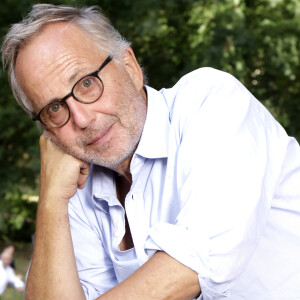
point(81, 114)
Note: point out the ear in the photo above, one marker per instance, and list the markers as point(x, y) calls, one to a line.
point(133, 68)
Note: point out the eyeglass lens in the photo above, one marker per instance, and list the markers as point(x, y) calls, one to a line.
point(87, 90)
point(55, 114)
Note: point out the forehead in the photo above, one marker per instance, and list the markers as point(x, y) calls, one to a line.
point(56, 41)
point(58, 36)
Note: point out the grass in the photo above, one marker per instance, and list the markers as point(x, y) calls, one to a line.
point(22, 259)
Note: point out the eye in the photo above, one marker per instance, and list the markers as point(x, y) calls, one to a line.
point(55, 107)
point(87, 82)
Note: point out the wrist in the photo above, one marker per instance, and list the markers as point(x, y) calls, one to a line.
point(52, 201)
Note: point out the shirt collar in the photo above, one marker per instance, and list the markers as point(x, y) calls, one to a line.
point(103, 187)
point(153, 144)
point(155, 135)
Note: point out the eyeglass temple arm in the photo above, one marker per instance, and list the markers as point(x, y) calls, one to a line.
point(107, 60)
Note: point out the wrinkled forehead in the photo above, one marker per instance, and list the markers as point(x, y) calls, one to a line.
point(54, 40)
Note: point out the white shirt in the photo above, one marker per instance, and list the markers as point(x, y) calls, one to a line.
point(216, 185)
point(8, 276)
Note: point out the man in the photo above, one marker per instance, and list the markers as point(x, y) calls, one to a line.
point(7, 273)
point(190, 192)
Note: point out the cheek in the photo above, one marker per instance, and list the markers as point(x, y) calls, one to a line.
point(49, 135)
point(61, 136)
point(117, 96)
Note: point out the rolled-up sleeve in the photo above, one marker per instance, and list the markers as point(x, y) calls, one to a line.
point(227, 163)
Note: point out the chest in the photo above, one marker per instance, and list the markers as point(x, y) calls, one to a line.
point(151, 198)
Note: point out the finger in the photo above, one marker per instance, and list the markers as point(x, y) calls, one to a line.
point(83, 175)
point(85, 169)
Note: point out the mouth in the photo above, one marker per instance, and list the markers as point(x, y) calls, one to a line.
point(100, 138)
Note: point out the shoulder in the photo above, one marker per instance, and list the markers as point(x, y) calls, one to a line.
point(197, 87)
point(205, 80)
point(85, 204)
point(207, 94)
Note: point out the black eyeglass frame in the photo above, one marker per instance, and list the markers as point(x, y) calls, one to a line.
point(36, 117)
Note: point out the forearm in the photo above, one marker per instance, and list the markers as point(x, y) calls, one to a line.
point(53, 274)
point(161, 278)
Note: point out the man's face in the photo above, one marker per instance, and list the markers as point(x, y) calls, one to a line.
point(105, 132)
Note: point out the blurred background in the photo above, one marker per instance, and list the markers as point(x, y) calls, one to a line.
point(255, 40)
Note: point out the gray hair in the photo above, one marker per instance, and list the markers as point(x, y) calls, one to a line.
point(88, 19)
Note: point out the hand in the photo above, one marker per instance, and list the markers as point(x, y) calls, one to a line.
point(53, 272)
point(61, 173)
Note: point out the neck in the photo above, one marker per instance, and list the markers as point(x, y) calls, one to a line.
point(122, 188)
point(124, 168)
point(126, 175)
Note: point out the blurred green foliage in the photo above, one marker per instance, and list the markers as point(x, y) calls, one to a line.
point(255, 40)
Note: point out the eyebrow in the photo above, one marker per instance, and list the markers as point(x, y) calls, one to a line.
point(72, 78)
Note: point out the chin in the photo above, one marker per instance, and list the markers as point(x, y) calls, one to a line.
point(111, 160)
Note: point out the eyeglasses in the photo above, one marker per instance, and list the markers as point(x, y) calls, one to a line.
point(88, 89)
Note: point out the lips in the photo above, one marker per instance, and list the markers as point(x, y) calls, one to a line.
point(100, 137)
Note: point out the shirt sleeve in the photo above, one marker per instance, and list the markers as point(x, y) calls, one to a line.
point(13, 279)
point(94, 267)
point(230, 151)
